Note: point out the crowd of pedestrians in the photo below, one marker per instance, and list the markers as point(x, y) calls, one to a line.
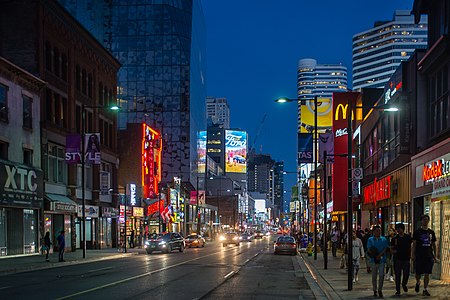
point(390, 257)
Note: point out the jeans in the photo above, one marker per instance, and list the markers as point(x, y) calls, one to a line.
point(61, 254)
point(355, 267)
point(377, 271)
point(334, 246)
point(399, 267)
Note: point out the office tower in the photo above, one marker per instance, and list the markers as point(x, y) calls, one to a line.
point(161, 46)
point(378, 52)
point(218, 112)
point(259, 166)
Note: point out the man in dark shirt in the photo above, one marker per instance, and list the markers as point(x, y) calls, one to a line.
point(61, 245)
point(424, 253)
point(401, 250)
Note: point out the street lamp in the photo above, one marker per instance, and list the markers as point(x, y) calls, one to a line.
point(83, 162)
point(285, 100)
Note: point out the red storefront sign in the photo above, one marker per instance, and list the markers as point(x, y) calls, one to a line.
point(433, 170)
point(378, 190)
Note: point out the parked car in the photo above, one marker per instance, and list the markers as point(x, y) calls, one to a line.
point(285, 244)
point(246, 237)
point(230, 238)
point(165, 243)
point(195, 240)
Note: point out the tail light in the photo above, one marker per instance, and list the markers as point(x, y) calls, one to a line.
point(276, 245)
point(293, 245)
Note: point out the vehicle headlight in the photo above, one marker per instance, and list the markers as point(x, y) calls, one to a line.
point(235, 238)
point(222, 238)
point(161, 243)
point(147, 243)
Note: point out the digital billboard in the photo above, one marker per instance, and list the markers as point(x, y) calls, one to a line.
point(235, 151)
point(201, 151)
point(324, 115)
point(151, 161)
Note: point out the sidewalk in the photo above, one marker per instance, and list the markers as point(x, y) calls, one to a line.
point(23, 263)
point(334, 283)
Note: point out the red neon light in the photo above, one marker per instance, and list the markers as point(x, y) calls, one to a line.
point(151, 161)
point(378, 190)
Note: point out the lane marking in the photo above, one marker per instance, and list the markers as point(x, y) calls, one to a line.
point(135, 277)
point(102, 269)
point(5, 287)
point(228, 275)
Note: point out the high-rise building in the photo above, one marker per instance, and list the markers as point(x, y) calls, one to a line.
point(378, 52)
point(161, 46)
point(259, 166)
point(218, 112)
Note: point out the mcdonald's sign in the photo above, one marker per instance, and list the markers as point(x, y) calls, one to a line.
point(341, 108)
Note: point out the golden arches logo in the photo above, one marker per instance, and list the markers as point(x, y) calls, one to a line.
point(343, 108)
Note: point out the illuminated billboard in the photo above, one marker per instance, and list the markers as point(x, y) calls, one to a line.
point(201, 151)
point(235, 151)
point(151, 161)
point(324, 115)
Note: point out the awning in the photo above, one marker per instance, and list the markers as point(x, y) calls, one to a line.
point(61, 203)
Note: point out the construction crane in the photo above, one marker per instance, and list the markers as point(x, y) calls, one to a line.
point(252, 146)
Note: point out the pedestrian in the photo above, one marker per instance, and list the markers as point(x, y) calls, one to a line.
point(423, 253)
point(61, 245)
point(377, 246)
point(401, 251)
point(357, 254)
point(47, 244)
point(132, 239)
point(389, 259)
point(334, 237)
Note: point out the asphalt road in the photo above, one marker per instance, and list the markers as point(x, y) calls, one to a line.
point(249, 271)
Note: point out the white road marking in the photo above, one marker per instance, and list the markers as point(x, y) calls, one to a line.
point(228, 275)
point(96, 270)
point(5, 287)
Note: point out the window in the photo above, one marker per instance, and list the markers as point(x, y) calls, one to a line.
point(55, 167)
point(64, 67)
point(438, 95)
point(28, 157)
point(78, 78)
point(56, 62)
point(27, 112)
point(48, 56)
point(4, 150)
point(3, 103)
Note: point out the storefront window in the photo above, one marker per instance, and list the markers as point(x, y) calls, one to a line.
point(3, 232)
point(445, 259)
point(68, 231)
point(30, 231)
point(48, 224)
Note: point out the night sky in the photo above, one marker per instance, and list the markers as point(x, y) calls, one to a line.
point(253, 47)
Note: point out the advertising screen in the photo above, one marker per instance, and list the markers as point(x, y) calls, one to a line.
point(324, 115)
point(201, 151)
point(235, 151)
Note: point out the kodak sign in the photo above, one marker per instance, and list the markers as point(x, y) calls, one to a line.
point(378, 190)
point(436, 169)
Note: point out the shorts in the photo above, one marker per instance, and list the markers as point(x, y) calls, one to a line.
point(424, 266)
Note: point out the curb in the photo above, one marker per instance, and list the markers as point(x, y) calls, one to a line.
point(316, 287)
point(64, 264)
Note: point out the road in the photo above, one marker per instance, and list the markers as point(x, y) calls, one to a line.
point(248, 271)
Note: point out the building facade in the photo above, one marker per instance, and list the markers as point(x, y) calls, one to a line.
point(21, 177)
point(429, 165)
point(218, 112)
point(161, 46)
point(378, 52)
point(81, 83)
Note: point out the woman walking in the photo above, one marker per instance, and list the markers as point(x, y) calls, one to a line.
point(47, 245)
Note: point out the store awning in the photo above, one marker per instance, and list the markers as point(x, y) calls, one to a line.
point(61, 203)
point(59, 198)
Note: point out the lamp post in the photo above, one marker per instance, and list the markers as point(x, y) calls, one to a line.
point(83, 163)
point(315, 138)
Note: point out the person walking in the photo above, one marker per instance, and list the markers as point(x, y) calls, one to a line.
point(132, 239)
point(377, 246)
point(334, 238)
point(365, 238)
point(47, 245)
point(61, 245)
point(423, 253)
point(401, 252)
point(389, 258)
point(357, 254)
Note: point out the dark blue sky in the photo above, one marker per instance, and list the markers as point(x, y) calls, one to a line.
point(253, 47)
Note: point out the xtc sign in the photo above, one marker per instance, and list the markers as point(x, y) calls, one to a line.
point(20, 185)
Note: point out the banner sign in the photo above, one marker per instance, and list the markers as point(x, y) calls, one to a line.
point(378, 190)
point(151, 161)
point(201, 151)
point(89, 211)
point(324, 115)
point(305, 148)
point(73, 148)
point(92, 148)
point(326, 143)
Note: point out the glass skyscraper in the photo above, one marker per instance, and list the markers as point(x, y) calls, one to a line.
point(161, 46)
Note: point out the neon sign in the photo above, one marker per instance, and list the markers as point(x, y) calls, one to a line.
point(436, 169)
point(151, 161)
point(378, 190)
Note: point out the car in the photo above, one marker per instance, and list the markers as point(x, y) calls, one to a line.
point(285, 244)
point(194, 240)
point(246, 237)
point(239, 159)
point(229, 238)
point(259, 234)
point(165, 243)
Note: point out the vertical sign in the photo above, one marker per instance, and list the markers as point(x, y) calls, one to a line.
point(73, 148)
point(201, 151)
point(92, 148)
point(235, 151)
point(305, 148)
point(151, 161)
